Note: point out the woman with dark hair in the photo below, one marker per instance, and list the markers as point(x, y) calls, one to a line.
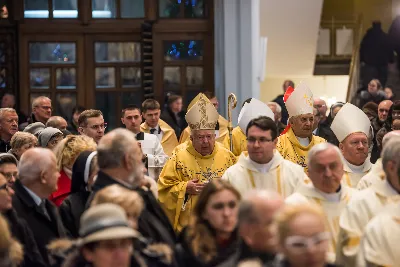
point(173, 114)
point(211, 238)
point(84, 171)
point(73, 124)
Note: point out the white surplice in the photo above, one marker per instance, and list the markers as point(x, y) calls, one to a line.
point(156, 157)
point(380, 243)
point(332, 204)
point(362, 208)
point(352, 176)
point(279, 175)
point(372, 176)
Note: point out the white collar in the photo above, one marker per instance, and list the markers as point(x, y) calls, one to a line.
point(303, 141)
point(263, 168)
point(35, 197)
point(355, 168)
point(245, 161)
point(331, 197)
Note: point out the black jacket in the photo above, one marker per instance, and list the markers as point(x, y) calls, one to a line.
point(169, 117)
point(324, 131)
point(21, 232)
point(285, 114)
point(4, 146)
point(72, 128)
point(43, 230)
point(153, 223)
point(363, 97)
point(246, 253)
point(31, 119)
point(71, 210)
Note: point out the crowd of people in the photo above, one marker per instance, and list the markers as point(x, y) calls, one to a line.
point(293, 185)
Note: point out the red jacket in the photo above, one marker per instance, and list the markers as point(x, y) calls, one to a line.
point(63, 189)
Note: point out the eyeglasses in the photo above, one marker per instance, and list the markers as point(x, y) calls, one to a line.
point(98, 127)
point(9, 175)
point(46, 107)
point(262, 140)
point(5, 187)
point(300, 244)
point(319, 106)
point(202, 138)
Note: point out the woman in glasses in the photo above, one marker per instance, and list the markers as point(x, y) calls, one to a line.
point(302, 236)
point(210, 238)
point(18, 227)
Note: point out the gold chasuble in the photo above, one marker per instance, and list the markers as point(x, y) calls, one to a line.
point(185, 165)
point(364, 206)
point(239, 141)
point(332, 205)
point(222, 133)
point(291, 149)
point(168, 141)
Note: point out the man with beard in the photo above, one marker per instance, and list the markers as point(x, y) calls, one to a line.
point(120, 162)
point(327, 190)
point(366, 204)
point(352, 127)
point(8, 127)
point(190, 168)
point(298, 139)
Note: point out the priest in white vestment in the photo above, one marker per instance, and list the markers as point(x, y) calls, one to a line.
point(327, 190)
point(381, 239)
point(262, 167)
point(366, 204)
point(376, 172)
point(352, 127)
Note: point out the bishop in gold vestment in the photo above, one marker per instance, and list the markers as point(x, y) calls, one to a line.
point(297, 139)
point(193, 165)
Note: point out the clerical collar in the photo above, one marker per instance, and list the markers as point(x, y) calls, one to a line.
point(263, 168)
point(157, 130)
point(331, 197)
point(303, 141)
point(354, 168)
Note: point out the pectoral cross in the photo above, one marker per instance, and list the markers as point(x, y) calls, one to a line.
point(209, 175)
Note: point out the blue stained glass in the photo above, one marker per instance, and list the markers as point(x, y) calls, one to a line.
point(194, 8)
point(183, 50)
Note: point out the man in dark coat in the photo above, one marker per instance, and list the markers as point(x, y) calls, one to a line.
point(279, 100)
point(120, 162)
point(256, 214)
point(35, 184)
point(173, 114)
point(41, 111)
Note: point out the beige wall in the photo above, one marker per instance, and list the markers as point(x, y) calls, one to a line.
point(333, 87)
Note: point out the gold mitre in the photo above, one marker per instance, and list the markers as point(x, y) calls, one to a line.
point(202, 114)
point(194, 100)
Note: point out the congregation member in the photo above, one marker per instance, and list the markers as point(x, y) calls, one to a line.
point(221, 128)
point(326, 190)
point(11, 250)
point(153, 152)
point(50, 137)
point(376, 173)
point(9, 101)
point(66, 153)
point(251, 109)
point(189, 169)
point(353, 136)
point(256, 215)
point(91, 123)
point(366, 204)
point(41, 111)
point(322, 126)
point(8, 168)
point(21, 142)
point(297, 139)
point(73, 124)
point(173, 114)
point(277, 110)
point(8, 127)
point(84, 172)
point(154, 125)
point(379, 245)
point(210, 238)
point(381, 123)
point(120, 162)
point(279, 99)
point(34, 128)
point(34, 185)
point(19, 228)
point(57, 122)
point(303, 237)
point(263, 167)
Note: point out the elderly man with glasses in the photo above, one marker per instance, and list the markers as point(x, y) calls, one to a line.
point(41, 111)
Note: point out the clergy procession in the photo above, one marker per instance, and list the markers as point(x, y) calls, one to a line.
point(318, 187)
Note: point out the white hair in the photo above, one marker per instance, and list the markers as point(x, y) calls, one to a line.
point(387, 137)
point(6, 110)
point(277, 106)
point(315, 150)
point(36, 102)
point(391, 152)
point(29, 171)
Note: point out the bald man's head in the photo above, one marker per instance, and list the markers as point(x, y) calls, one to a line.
point(320, 105)
point(57, 122)
point(256, 213)
point(383, 109)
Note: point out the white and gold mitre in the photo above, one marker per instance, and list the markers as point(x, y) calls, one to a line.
point(202, 115)
point(350, 119)
point(299, 101)
point(253, 110)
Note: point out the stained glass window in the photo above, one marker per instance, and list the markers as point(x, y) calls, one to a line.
point(103, 9)
point(52, 52)
point(169, 8)
point(183, 50)
point(194, 8)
